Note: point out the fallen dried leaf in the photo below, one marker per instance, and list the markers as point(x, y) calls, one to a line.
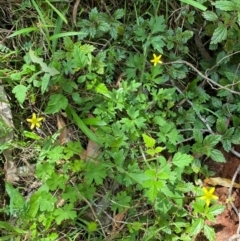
point(93, 149)
point(119, 80)
point(83, 155)
point(63, 137)
point(224, 182)
point(117, 220)
point(10, 171)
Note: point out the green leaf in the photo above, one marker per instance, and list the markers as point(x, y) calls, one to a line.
point(196, 227)
point(182, 160)
point(236, 137)
point(80, 58)
point(32, 135)
point(47, 201)
point(56, 103)
point(57, 181)
point(121, 202)
point(23, 31)
point(34, 205)
point(16, 76)
point(87, 48)
point(70, 193)
point(68, 66)
point(72, 114)
point(64, 35)
point(157, 24)
point(221, 126)
point(94, 122)
point(86, 190)
point(194, 4)
point(216, 209)
point(225, 5)
point(197, 134)
point(95, 172)
point(227, 145)
point(209, 233)
point(65, 213)
point(219, 34)
point(103, 26)
point(151, 152)
point(210, 16)
point(92, 227)
point(44, 170)
point(59, 13)
point(9, 227)
point(210, 217)
point(148, 141)
point(68, 43)
point(77, 98)
point(217, 156)
point(174, 136)
point(102, 89)
point(153, 188)
point(44, 82)
point(16, 199)
point(20, 92)
point(211, 140)
point(216, 102)
point(52, 71)
point(119, 13)
point(55, 154)
point(158, 149)
point(138, 177)
point(228, 134)
point(198, 207)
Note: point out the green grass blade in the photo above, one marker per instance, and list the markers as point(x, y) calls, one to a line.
point(23, 31)
point(62, 35)
point(58, 28)
point(79, 122)
point(41, 16)
point(57, 11)
point(194, 4)
point(94, 122)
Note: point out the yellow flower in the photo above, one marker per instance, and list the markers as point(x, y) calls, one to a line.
point(35, 121)
point(208, 195)
point(156, 59)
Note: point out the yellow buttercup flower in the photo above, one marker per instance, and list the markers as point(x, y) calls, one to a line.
point(35, 121)
point(156, 59)
point(208, 195)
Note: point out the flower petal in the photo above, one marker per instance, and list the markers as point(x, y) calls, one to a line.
point(205, 190)
point(211, 190)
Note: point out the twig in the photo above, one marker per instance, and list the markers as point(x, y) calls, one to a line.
point(230, 190)
point(74, 12)
point(199, 116)
point(9, 32)
point(210, 81)
point(227, 56)
point(237, 154)
point(235, 236)
point(232, 204)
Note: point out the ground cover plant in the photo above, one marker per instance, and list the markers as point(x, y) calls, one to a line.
point(115, 108)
